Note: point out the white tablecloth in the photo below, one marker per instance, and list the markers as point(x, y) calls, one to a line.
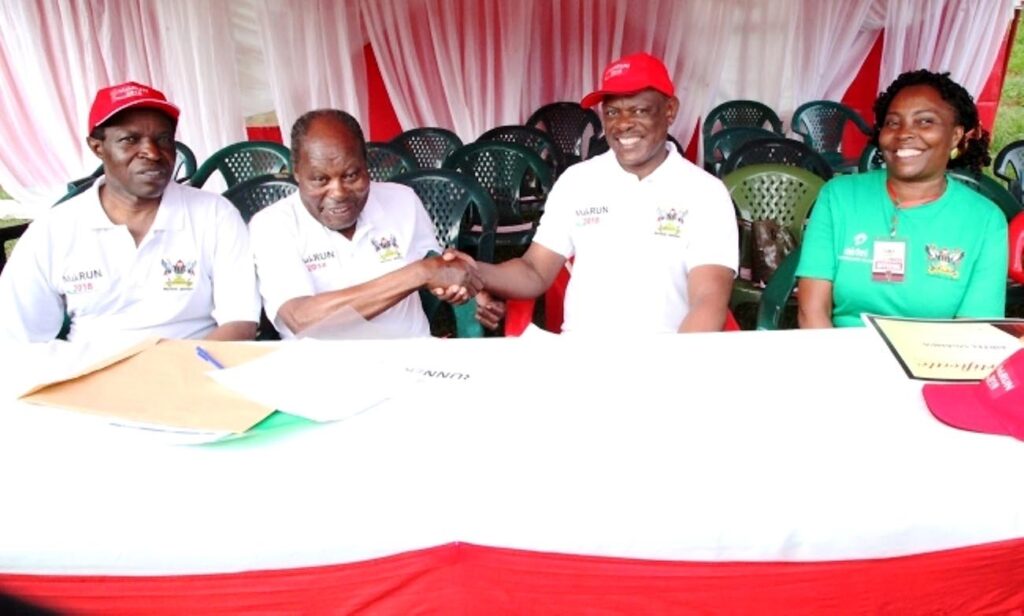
point(735, 446)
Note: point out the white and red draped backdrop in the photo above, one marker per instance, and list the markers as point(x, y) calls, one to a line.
point(467, 65)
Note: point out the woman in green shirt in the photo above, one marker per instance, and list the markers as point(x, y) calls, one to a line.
point(907, 241)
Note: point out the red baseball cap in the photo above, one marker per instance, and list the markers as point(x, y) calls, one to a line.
point(994, 405)
point(126, 95)
point(629, 75)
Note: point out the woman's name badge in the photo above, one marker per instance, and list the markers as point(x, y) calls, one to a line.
point(889, 260)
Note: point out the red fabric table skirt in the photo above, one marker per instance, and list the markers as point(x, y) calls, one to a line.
point(468, 579)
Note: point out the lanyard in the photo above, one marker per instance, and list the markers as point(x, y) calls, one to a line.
point(902, 204)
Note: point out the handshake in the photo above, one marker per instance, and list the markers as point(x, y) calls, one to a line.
point(456, 277)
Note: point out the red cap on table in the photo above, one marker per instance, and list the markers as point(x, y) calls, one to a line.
point(115, 99)
point(994, 405)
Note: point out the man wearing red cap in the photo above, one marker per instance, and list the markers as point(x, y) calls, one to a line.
point(654, 237)
point(137, 254)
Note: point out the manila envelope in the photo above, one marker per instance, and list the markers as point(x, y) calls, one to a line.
point(161, 383)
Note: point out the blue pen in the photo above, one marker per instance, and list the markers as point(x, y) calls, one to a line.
point(205, 356)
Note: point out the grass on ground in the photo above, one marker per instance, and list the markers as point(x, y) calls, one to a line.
point(1010, 117)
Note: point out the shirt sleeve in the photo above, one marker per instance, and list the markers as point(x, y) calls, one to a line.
point(714, 238)
point(234, 277)
point(279, 268)
point(31, 308)
point(986, 289)
point(554, 228)
point(818, 251)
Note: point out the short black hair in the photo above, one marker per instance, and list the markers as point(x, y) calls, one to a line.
point(100, 131)
point(973, 146)
point(301, 128)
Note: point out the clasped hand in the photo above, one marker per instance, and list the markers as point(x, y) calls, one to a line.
point(458, 280)
point(454, 279)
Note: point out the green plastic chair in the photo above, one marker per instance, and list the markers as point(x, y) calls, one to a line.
point(184, 163)
point(502, 169)
point(989, 188)
point(570, 126)
point(777, 151)
point(740, 112)
point(9, 234)
point(449, 197)
point(777, 292)
point(384, 161)
point(724, 143)
point(1011, 159)
point(778, 192)
point(244, 160)
point(821, 124)
point(256, 193)
point(537, 140)
point(870, 159)
point(429, 146)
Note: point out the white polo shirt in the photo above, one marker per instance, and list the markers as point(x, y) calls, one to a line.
point(635, 241)
point(296, 256)
point(192, 271)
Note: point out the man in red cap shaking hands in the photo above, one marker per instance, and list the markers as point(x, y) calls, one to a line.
point(654, 237)
point(137, 254)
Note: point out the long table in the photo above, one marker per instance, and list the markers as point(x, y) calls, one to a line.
point(755, 472)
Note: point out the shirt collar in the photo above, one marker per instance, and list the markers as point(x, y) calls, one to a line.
point(667, 166)
point(169, 215)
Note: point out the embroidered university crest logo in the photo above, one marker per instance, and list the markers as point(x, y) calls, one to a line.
point(670, 222)
point(944, 261)
point(178, 276)
point(387, 248)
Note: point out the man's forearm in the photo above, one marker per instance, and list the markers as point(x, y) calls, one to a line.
point(514, 279)
point(234, 330)
point(369, 299)
point(704, 317)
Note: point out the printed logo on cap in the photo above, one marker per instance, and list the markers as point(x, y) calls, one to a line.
point(128, 91)
point(616, 69)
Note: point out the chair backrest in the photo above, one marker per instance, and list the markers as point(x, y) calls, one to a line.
point(79, 186)
point(428, 146)
point(385, 161)
point(254, 194)
point(448, 196)
point(777, 151)
point(822, 124)
point(723, 143)
point(8, 234)
point(1009, 167)
point(570, 126)
point(777, 291)
point(1016, 232)
point(501, 169)
point(746, 113)
point(870, 159)
point(184, 163)
point(537, 140)
point(244, 160)
point(989, 188)
point(779, 192)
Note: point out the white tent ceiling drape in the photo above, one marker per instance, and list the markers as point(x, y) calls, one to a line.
point(466, 65)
